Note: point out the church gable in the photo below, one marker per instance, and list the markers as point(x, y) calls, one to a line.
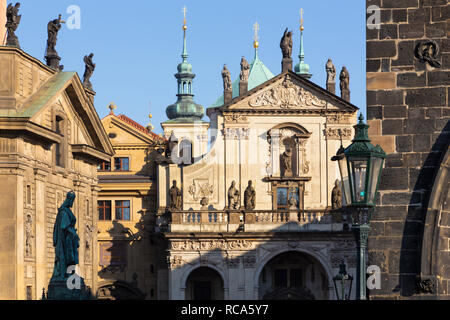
point(126, 132)
point(289, 92)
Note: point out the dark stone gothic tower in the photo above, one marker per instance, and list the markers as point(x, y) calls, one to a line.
point(408, 80)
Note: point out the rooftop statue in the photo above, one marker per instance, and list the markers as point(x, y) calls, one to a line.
point(331, 71)
point(245, 70)
point(88, 71)
point(286, 44)
point(226, 78)
point(345, 79)
point(51, 55)
point(12, 22)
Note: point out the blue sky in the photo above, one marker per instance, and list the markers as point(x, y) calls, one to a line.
point(137, 45)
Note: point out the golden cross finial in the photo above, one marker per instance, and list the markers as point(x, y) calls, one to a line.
point(256, 38)
point(184, 17)
point(301, 20)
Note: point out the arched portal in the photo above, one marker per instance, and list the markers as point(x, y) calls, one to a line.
point(204, 284)
point(293, 275)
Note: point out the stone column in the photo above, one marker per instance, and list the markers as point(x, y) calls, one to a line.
point(40, 237)
point(20, 243)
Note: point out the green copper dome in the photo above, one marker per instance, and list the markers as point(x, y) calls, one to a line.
point(185, 109)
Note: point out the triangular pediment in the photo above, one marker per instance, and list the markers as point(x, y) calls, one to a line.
point(64, 95)
point(289, 92)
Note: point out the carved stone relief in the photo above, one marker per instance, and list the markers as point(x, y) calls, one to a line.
point(235, 118)
point(200, 188)
point(236, 133)
point(287, 95)
point(338, 133)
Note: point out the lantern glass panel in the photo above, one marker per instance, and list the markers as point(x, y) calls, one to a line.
point(358, 168)
point(375, 167)
point(345, 181)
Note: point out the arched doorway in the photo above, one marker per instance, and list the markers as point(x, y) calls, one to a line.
point(204, 284)
point(293, 276)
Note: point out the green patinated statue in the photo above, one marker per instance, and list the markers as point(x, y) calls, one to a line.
point(65, 283)
point(65, 239)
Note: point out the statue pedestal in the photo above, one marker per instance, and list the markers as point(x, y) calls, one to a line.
point(286, 64)
point(345, 94)
point(331, 87)
point(58, 289)
point(53, 61)
point(12, 41)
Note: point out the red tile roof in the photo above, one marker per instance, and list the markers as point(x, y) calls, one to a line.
point(139, 127)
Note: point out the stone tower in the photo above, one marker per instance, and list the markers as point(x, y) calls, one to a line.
point(408, 78)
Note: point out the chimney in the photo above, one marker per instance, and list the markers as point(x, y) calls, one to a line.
point(2, 22)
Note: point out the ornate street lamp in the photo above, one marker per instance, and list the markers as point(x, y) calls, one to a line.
point(343, 283)
point(360, 165)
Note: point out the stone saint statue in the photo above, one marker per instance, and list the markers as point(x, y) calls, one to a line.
point(336, 196)
point(29, 235)
point(345, 88)
point(345, 79)
point(245, 70)
point(53, 28)
point(286, 163)
point(249, 197)
point(233, 196)
point(65, 239)
point(286, 44)
point(88, 71)
point(12, 23)
point(331, 71)
point(175, 196)
point(51, 56)
point(226, 78)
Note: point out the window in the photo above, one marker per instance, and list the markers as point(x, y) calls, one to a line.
point(123, 210)
point(104, 210)
point(104, 166)
point(288, 278)
point(59, 147)
point(29, 293)
point(285, 194)
point(121, 164)
point(185, 152)
point(280, 278)
point(28, 194)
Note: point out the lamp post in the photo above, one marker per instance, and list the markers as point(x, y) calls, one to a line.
point(360, 166)
point(343, 283)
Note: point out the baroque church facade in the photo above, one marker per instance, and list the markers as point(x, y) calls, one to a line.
point(247, 204)
point(252, 218)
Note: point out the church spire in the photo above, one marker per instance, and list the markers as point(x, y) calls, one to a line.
point(185, 108)
point(302, 68)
